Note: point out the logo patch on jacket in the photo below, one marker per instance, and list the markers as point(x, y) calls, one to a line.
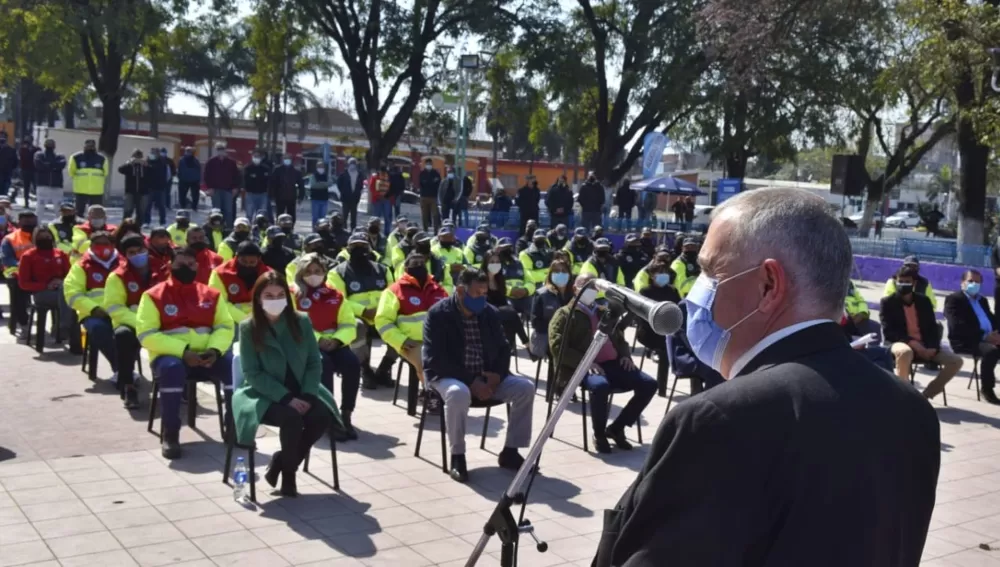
point(234, 288)
point(305, 303)
point(98, 277)
point(133, 287)
point(170, 310)
point(415, 300)
point(355, 286)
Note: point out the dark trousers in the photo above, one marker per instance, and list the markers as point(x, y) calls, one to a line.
point(350, 212)
point(101, 336)
point(188, 188)
point(85, 201)
point(344, 362)
point(157, 199)
point(562, 219)
point(172, 374)
point(285, 206)
point(617, 379)
point(990, 355)
point(512, 325)
point(297, 432)
point(18, 303)
point(28, 180)
point(127, 351)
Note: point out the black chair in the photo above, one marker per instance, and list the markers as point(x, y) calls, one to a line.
point(548, 373)
point(192, 401)
point(42, 314)
point(584, 414)
point(411, 394)
point(913, 373)
point(431, 392)
point(90, 356)
point(975, 376)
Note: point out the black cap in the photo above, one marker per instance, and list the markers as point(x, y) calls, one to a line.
point(412, 230)
point(602, 243)
point(67, 205)
point(273, 231)
point(504, 243)
point(132, 241)
point(445, 230)
point(422, 237)
point(358, 238)
point(285, 219)
point(631, 237)
point(580, 231)
point(691, 240)
point(402, 218)
point(539, 233)
point(26, 214)
point(311, 238)
point(183, 214)
point(911, 260)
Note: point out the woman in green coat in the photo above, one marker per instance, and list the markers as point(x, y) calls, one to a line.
point(281, 385)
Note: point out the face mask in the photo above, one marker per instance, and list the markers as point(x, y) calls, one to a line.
point(602, 254)
point(539, 243)
point(708, 340)
point(588, 297)
point(560, 279)
point(29, 228)
point(102, 251)
point(359, 255)
point(184, 274)
point(904, 288)
point(418, 273)
point(3, 220)
point(662, 280)
point(352, 168)
point(240, 235)
point(423, 248)
point(262, 224)
point(256, 161)
point(183, 223)
point(451, 176)
point(314, 280)
point(198, 246)
point(140, 260)
point(373, 230)
point(69, 219)
point(97, 223)
point(286, 162)
point(320, 171)
point(274, 307)
point(447, 245)
point(475, 305)
point(690, 256)
point(494, 268)
point(153, 157)
point(972, 288)
point(277, 241)
point(429, 167)
point(480, 238)
point(246, 272)
point(46, 244)
point(287, 229)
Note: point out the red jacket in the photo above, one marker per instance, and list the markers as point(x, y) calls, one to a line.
point(377, 194)
point(207, 261)
point(221, 172)
point(27, 157)
point(39, 267)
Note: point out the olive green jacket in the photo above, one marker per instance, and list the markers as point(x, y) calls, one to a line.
point(574, 342)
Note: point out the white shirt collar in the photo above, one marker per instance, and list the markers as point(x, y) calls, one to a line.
point(769, 340)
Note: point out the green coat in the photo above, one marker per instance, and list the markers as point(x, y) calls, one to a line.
point(264, 374)
point(575, 342)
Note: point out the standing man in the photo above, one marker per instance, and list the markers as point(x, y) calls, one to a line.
point(559, 202)
point(26, 157)
point(256, 184)
point(448, 192)
point(319, 192)
point(188, 180)
point(8, 163)
point(47, 170)
point(88, 170)
point(829, 447)
point(430, 182)
point(159, 173)
point(591, 202)
point(625, 200)
point(350, 184)
point(222, 177)
point(380, 199)
point(527, 200)
point(689, 210)
point(397, 186)
point(287, 187)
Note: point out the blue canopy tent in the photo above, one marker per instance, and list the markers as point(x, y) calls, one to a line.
point(669, 185)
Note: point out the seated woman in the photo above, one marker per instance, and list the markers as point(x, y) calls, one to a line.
point(496, 295)
point(280, 363)
point(555, 293)
point(643, 279)
point(660, 289)
point(335, 327)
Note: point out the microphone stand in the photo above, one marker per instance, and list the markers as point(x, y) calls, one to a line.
point(501, 522)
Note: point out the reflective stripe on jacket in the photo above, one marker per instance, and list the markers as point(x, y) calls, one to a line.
point(173, 317)
point(402, 309)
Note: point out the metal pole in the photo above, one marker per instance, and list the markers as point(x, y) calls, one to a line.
point(463, 130)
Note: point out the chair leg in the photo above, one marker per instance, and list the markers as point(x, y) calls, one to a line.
point(486, 423)
point(42, 315)
point(152, 404)
point(192, 393)
point(944, 395)
point(583, 414)
point(86, 357)
point(638, 428)
point(333, 463)
point(229, 463)
point(31, 320)
point(399, 378)
point(444, 438)
point(538, 374)
point(305, 461)
point(670, 398)
point(92, 354)
point(219, 403)
point(252, 473)
point(420, 430)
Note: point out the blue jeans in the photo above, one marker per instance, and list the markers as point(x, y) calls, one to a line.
point(159, 200)
point(342, 361)
point(616, 379)
point(258, 203)
point(222, 199)
point(102, 336)
point(319, 210)
point(172, 374)
point(383, 210)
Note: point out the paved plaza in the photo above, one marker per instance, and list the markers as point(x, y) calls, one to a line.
point(83, 483)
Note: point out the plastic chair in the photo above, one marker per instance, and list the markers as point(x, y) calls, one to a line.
point(192, 403)
point(975, 376)
point(913, 373)
point(584, 414)
point(431, 392)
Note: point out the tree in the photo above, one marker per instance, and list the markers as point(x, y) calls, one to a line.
point(386, 44)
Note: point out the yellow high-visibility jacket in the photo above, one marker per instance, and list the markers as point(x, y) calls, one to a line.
point(175, 341)
point(88, 173)
point(237, 311)
point(346, 330)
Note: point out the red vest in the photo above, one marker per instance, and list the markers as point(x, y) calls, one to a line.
point(237, 290)
point(414, 299)
point(323, 306)
point(184, 305)
point(207, 261)
point(134, 284)
point(97, 274)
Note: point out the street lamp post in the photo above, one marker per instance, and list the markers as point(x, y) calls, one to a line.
point(468, 64)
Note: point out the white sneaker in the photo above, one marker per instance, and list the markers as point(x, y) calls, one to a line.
point(114, 378)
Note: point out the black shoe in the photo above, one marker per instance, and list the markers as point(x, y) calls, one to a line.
point(338, 432)
point(288, 487)
point(273, 469)
point(617, 434)
point(510, 459)
point(384, 378)
point(601, 444)
point(990, 396)
point(349, 431)
point(459, 472)
point(368, 381)
point(131, 398)
point(171, 447)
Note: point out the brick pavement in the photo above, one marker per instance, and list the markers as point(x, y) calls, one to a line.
point(87, 485)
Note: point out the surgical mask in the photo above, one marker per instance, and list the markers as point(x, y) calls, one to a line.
point(429, 167)
point(153, 157)
point(358, 254)
point(140, 260)
point(246, 272)
point(662, 280)
point(314, 280)
point(475, 305)
point(451, 176)
point(560, 279)
point(708, 340)
point(588, 297)
point(320, 171)
point(274, 307)
point(241, 235)
point(352, 168)
point(182, 223)
point(69, 219)
point(256, 161)
point(97, 223)
point(972, 288)
point(286, 161)
point(494, 268)
point(198, 246)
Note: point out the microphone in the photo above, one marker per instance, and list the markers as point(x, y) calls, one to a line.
point(665, 318)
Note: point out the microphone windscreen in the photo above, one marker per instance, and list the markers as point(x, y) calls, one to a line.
point(666, 318)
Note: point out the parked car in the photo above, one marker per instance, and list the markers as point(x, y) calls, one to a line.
point(856, 217)
point(903, 219)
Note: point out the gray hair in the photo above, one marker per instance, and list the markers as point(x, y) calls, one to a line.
point(796, 228)
point(582, 279)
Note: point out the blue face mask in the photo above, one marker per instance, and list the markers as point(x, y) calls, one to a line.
point(709, 340)
point(560, 279)
point(972, 288)
point(140, 260)
point(662, 280)
point(475, 305)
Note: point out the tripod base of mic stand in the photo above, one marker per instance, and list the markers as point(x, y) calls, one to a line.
point(502, 524)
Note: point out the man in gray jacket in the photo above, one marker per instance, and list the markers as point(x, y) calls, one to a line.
point(49, 168)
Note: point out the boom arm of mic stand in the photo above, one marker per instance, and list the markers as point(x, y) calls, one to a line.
point(502, 521)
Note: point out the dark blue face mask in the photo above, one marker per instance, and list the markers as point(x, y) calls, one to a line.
point(475, 305)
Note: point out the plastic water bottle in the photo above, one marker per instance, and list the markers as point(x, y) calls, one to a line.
point(240, 480)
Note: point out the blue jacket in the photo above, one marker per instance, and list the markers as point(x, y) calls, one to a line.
point(189, 170)
point(444, 342)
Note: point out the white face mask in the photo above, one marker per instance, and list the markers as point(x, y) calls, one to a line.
point(286, 161)
point(314, 280)
point(494, 268)
point(274, 307)
point(320, 171)
point(429, 167)
point(588, 297)
point(352, 168)
point(256, 161)
point(451, 176)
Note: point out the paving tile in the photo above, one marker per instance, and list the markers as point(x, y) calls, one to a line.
point(171, 553)
point(251, 557)
point(90, 474)
point(360, 545)
point(395, 557)
point(228, 543)
point(68, 464)
point(156, 481)
point(308, 551)
point(19, 469)
point(116, 501)
point(172, 495)
point(101, 488)
point(12, 515)
point(421, 532)
point(18, 533)
point(41, 495)
point(53, 510)
point(448, 549)
point(148, 535)
point(279, 534)
point(82, 544)
point(41, 480)
point(24, 553)
point(130, 518)
point(189, 510)
point(209, 525)
point(117, 558)
point(63, 527)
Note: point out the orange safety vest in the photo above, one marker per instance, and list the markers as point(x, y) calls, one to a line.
point(412, 298)
point(323, 307)
point(185, 306)
point(237, 290)
point(97, 274)
point(134, 283)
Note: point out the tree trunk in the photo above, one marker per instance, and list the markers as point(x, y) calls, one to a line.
point(972, 194)
point(211, 128)
point(275, 108)
point(154, 116)
point(111, 124)
point(69, 115)
point(736, 165)
point(496, 151)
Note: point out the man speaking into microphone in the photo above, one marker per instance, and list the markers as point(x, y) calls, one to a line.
point(808, 454)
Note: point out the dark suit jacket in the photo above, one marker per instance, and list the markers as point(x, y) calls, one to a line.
point(810, 456)
point(894, 320)
point(443, 352)
point(964, 333)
